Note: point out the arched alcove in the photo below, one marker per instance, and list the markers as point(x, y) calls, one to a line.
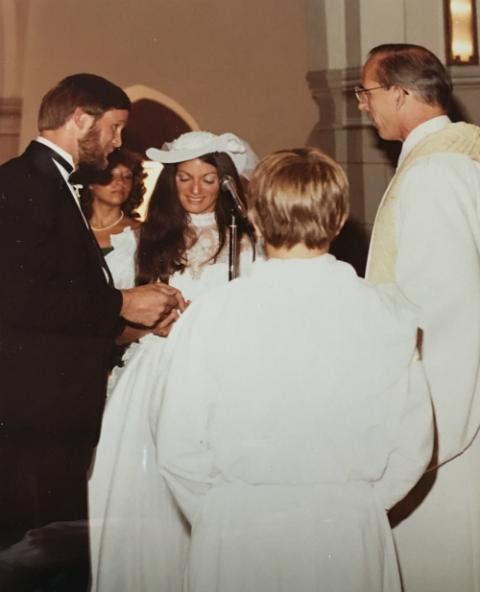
point(155, 118)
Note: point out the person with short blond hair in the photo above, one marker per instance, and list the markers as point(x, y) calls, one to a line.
point(294, 412)
point(319, 202)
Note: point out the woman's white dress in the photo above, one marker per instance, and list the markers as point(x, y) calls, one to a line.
point(121, 260)
point(288, 428)
point(138, 536)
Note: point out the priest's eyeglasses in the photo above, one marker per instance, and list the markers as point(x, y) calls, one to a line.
point(362, 93)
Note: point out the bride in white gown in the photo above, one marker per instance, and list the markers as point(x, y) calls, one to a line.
point(138, 537)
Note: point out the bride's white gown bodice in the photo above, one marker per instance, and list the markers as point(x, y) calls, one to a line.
point(200, 274)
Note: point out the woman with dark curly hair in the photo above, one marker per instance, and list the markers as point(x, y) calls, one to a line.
point(140, 538)
point(109, 199)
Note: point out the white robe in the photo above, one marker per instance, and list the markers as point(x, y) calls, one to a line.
point(138, 537)
point(293, 416)
point(437, 226)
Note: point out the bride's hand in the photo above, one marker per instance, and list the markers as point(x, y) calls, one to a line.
point(163, 327)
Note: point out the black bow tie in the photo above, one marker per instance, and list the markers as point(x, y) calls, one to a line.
point(64, 163)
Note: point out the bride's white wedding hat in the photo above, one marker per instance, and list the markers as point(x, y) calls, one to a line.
point(195, 144)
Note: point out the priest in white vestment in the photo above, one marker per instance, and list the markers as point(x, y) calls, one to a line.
point(426, 239)
point(295, 408)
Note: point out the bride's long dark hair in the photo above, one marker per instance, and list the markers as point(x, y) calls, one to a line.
point(164, 236)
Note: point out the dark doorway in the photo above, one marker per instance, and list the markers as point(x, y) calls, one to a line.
point(152, 124)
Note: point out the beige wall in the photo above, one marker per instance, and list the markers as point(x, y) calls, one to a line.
point(237, 66)
point(13, 20)
point(341, 32)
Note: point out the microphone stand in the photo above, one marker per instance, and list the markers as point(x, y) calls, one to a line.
point(232, 248)
point(237, 209)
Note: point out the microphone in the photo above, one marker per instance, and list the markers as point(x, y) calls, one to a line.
point(228, 184)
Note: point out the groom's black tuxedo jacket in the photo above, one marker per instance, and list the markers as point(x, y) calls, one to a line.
point(58, 313)
point(58, 319)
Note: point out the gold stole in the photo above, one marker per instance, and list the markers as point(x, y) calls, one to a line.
point(457, 138)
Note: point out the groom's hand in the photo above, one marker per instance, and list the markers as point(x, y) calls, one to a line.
point(147, 304)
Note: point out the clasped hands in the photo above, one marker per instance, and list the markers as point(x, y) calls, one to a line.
point(156, 306)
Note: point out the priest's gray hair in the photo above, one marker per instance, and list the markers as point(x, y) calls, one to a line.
point(413, 68)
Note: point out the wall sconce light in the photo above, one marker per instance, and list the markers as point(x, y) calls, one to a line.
point(461, 32)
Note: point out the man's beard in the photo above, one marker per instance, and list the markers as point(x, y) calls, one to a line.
point(90, 152)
